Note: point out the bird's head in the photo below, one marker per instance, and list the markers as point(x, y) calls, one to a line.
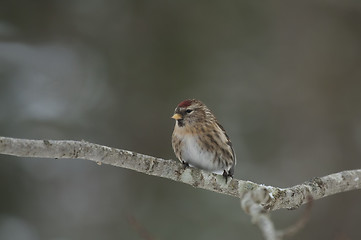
point(190, 112)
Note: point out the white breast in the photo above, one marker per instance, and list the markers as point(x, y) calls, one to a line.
point(195, 156)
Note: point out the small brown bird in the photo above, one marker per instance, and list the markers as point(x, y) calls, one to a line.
point(199, 140)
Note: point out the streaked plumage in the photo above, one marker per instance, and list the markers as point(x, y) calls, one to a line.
point(200, 141)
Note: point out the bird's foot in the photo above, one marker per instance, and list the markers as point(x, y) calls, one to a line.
point(185, 164)
point(227, 175)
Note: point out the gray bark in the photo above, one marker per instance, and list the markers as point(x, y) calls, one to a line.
point(272, 198)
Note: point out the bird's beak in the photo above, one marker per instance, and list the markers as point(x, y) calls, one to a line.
point(177, 116)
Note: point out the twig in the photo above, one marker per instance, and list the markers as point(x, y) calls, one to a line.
point(292, 230)
point(139, 228)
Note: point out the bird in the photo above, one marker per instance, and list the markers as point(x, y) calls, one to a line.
point(198, 140)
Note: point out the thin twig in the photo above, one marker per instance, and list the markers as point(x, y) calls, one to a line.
point(293, 229)
point(139, 228)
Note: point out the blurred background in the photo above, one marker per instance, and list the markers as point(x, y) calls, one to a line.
point(283, 78)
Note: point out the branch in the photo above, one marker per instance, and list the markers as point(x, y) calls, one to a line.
point(272, 198)
point(250, 204)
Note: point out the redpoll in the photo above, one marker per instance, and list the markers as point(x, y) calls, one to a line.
point(199, 140)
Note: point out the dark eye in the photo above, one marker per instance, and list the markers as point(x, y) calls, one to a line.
point(189, 110)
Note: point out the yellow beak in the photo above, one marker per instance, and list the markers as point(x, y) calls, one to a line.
point(177, 116)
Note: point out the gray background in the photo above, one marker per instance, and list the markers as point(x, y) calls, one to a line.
point(283, 79)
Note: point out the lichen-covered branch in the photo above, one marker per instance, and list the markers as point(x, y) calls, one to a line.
point(250, 203)
point(273, 197)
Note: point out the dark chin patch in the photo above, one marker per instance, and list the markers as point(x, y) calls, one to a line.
point(180, 123)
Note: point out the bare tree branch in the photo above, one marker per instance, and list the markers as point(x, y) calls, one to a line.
point(250, 203)
point(256, 199)
point(272, 198)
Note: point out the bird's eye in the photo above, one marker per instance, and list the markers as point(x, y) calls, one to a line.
point(189, 110)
